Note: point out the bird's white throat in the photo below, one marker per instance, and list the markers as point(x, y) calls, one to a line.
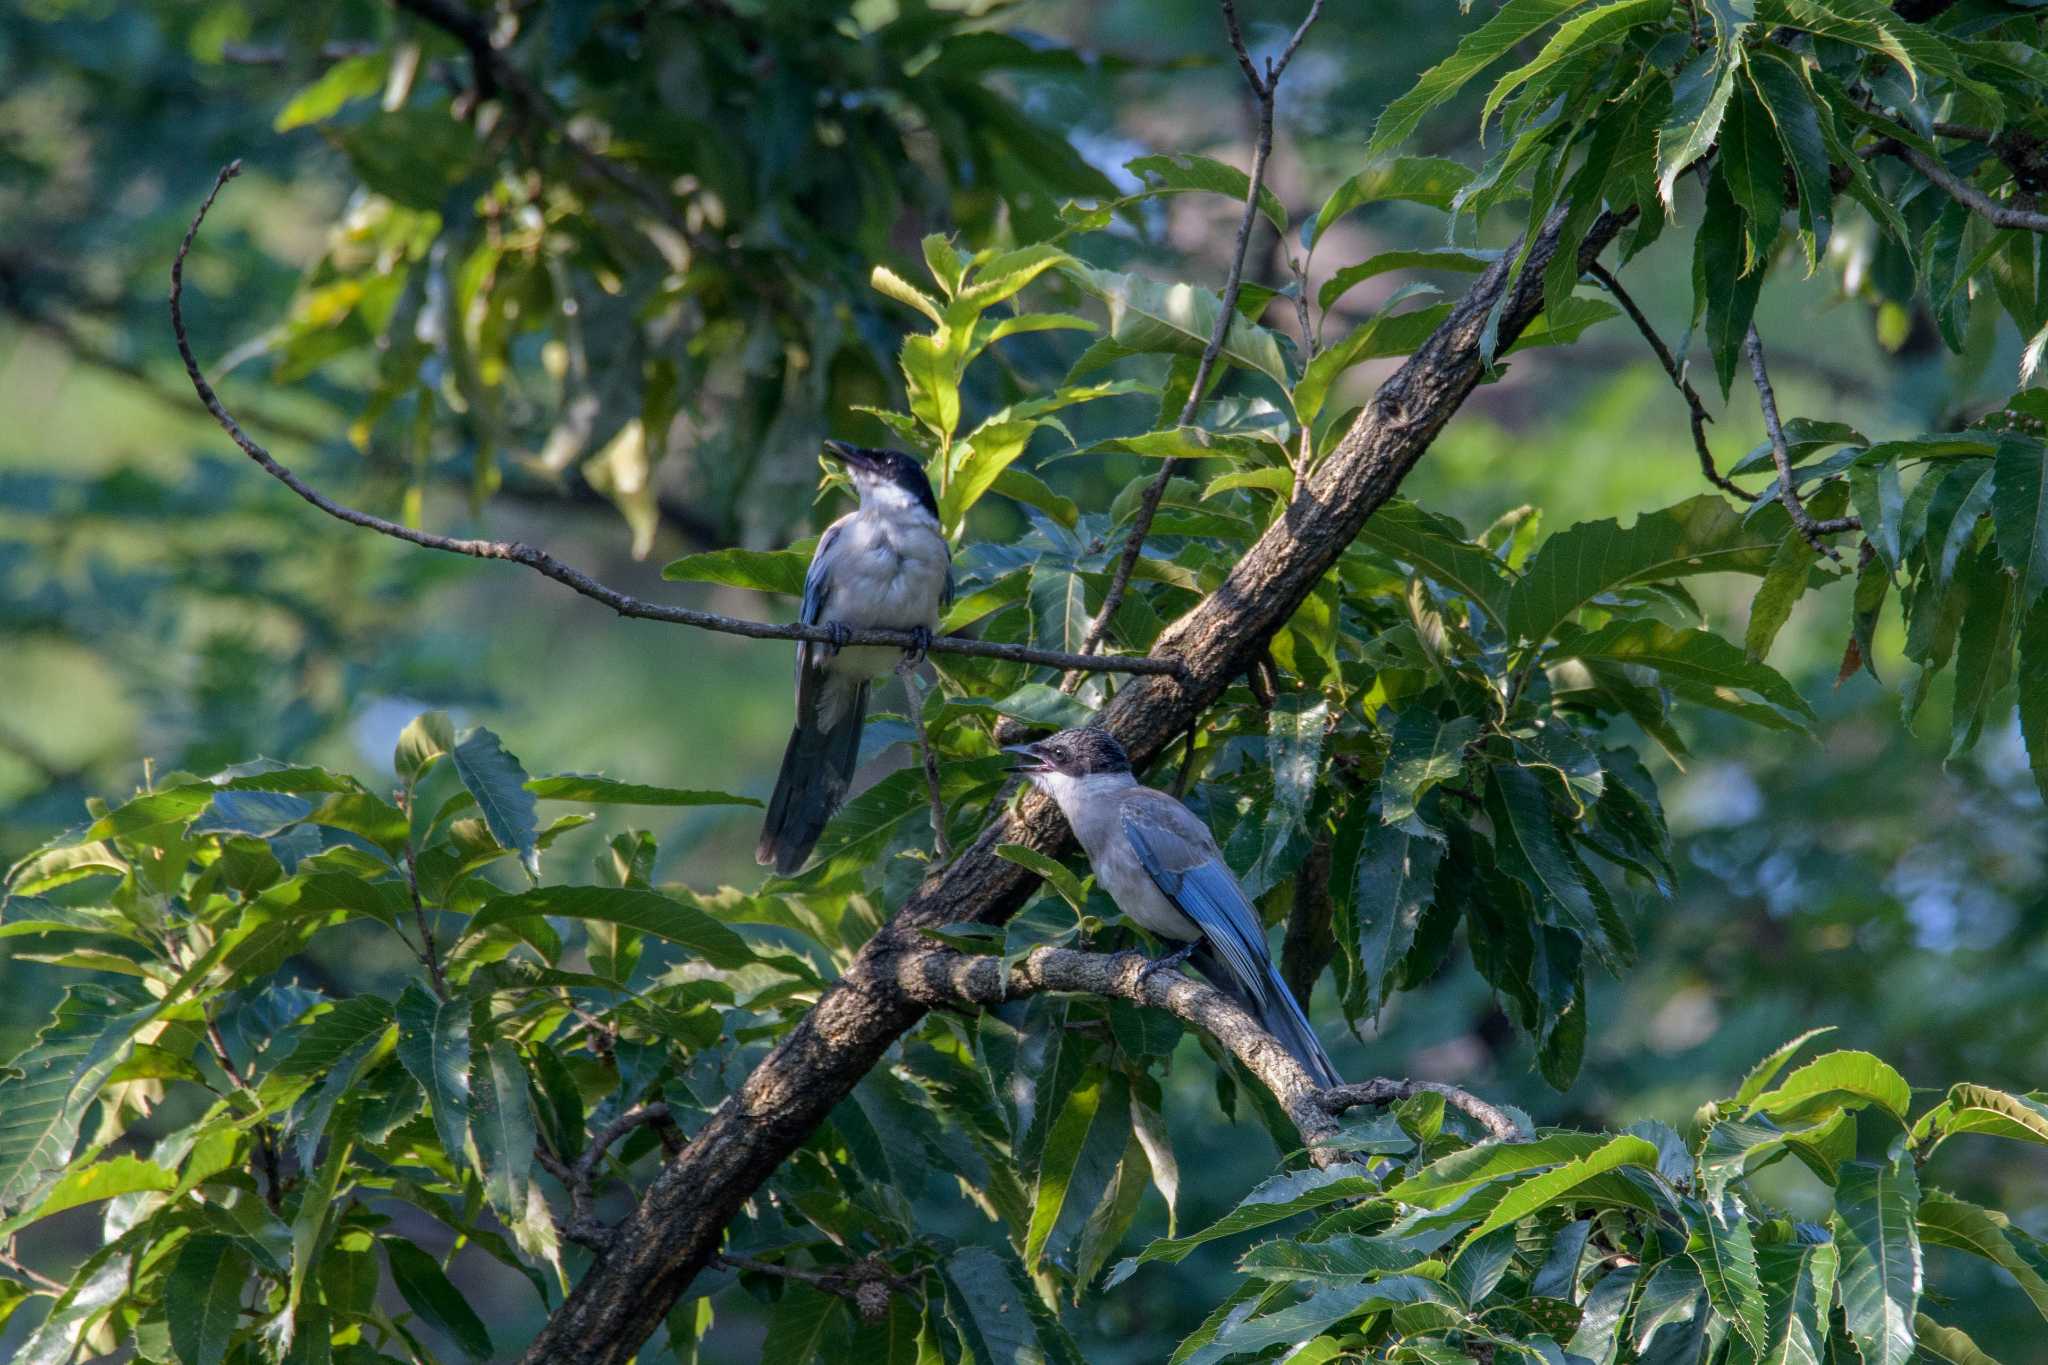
point(1069, 792)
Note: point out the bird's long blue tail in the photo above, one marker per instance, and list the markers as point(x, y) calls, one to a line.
point(817, 768)
point(1280, 1013)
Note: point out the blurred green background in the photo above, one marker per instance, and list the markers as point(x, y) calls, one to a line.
point(162, 602)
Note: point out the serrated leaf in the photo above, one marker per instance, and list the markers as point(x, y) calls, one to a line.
point(1798, 1282)
point(1319, 1311)
point(1272, 1200)
point(1779, 82)
point(1577, 35)
point(605, 791)
point(999, 1316)
point(427, 1290)
point(1391, 887)
point(888, 282)
point(1560, 1182)
point(980, 462)
point(493, 776)
point(1433, 546)
point(1699, 100)
point(1784, 584)
point(1463, 260)
point(1494, 39)
point(1875, 1227)
point(1533, 851)
point(1182, 173)
point(48, 1088)
point(1698, 665)
point(336, 1031)
point(1056, 874)
point(2019, 515)
point(501, 1125)
point(1449, 1179)
point(1059, 608)
point(426, 739)
point(1384, 334)
point(203, 1298)
point(1724, 1249)
point(1837, 1080)
point(433, 1046)
point(1952, 1345)
point(1176, 319)
point(634, 907)
point(763, 570)
point(1766, 1070)
point(1946, 1221)
point(1423, 752)
point(1431, 180)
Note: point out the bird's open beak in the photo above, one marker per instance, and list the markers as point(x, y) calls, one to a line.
point(1032, 760)
point(852, 456)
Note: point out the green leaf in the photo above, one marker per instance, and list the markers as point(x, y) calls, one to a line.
point(797, 1323)
point(1423, 752)
point(1766, 1070)
point(1020, 486)
point(1533, 851)
point(1724, 1249)
point(1059, 608)
point(1034, 703)
point(1056, 874)
point(1881, 506)
point(764, 570)
point(1943, 1343)
point(203, 1298)
point(494, 777)
point(1700, 535)
point(426, 739)
point(433, 1045)
point(1436, 550)
point(634, 907)
point(2033, 693)
point(351, 78)
point(1598, 1334)
point(1558, 1184)
point(1177, 319)
point(1393, 884)
point(1431, 180)
point(1784, 584)
point(1721, 290)
point(501, 1125)
point(1449, 1179)
point(886, 281)
point(429, 1293)
point(2019, 514)
point(1179, 174)
point(1494, 39)
point(47, 1089)
point(1577, 35)
point(1837, 1080)
point(1780, 82)
point(1272, 1200)
point(334, 1032)
point(1699, 99)
point(1065, 1141)
point(999, 1316)
point(1699, 666)
point(1996, 1113)
point(1320, 1310)
point(89, 1184)
point(605, 791)
point(1750, 160)
point(1946, 1221)
point(1798, 1282)
point(1348, 1256)
point(1463, 260)
point(1875, 1227)
point(980, 462)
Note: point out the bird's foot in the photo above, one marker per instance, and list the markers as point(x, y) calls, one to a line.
point(841, 634)
point(1165, 962)
point(920, 645)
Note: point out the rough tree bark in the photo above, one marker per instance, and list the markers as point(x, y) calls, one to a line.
point(674, 1232)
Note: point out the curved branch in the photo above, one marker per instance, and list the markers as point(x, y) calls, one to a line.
point(679, 1224)
point(1998, 212)
point(1781, 457)
point(541, 562)
point(1495, 1121)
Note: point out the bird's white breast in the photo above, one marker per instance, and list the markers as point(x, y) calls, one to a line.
point(888, 572)
point(1094, 808)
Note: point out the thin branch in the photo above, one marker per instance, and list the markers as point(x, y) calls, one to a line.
point(1781, 457)
point(655, 1115)
point(1696, 410)
point(1997, 211)
point(429, 950)
point(35, 1277)
point(1383, 1091)
point(1262, 89)
point(541, 562)
point(865, 1284)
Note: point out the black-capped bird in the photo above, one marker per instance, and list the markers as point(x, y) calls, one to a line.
point(1161, 866)
point(884, 565)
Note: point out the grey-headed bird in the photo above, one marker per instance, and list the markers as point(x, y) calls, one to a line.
point(884, 565)
point(1161, 866)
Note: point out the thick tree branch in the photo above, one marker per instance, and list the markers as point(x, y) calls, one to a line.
point(540, 561)
point(1781, 457)
point(677, 1228)
point(1696, 411)
point(1262, 88)
point(1495, 1121)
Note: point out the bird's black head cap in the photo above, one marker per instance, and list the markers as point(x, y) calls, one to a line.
point(1074, 753)
point(886, 466)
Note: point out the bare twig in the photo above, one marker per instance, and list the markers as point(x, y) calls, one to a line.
point(429, 950)
point(1781, 457)
point(1696, 410)
point(1262, 88)
point(540, 561)
point(579, 1177)
point(654, 1115)
point(865, 1284)
point(1997, 211)
point(33, 1276)
point(913, 696)
point(1383, 1091)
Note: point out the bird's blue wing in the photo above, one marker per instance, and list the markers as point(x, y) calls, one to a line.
point(817, 593)
point(1180, 855)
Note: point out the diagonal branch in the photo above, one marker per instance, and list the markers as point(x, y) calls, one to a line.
point(1781, 457)
point(1262, 88)
point(680, 1222)
point(1695, 409)
point(541, 562)
point(1997, 211)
